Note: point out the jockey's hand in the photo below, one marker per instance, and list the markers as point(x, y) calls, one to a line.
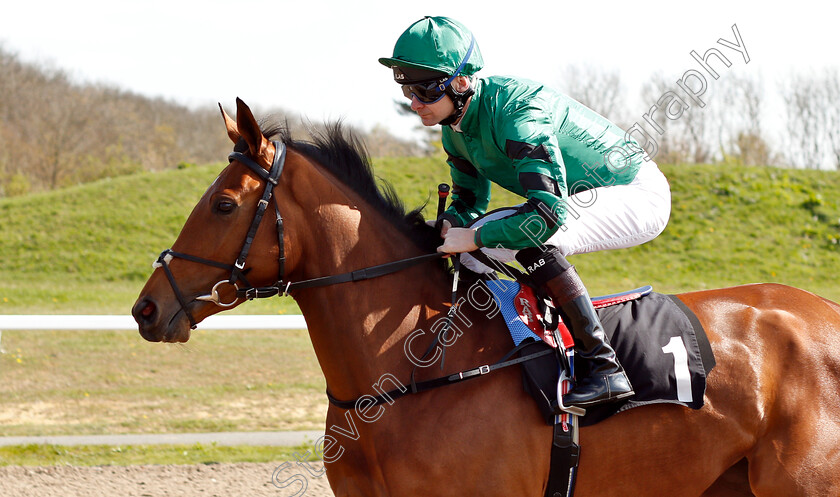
point(444, 227)
point(457, 240)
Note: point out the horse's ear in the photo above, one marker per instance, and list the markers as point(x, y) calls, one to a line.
point(230, 124)
point(249, 129)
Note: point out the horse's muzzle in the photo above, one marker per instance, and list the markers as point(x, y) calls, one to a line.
point(154, 325)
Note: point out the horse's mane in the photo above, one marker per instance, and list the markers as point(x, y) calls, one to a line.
point(344, 155)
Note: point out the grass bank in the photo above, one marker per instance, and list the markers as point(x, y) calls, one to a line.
point(88, 249)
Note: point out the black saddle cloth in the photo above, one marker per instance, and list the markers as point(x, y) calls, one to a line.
point(660, 343)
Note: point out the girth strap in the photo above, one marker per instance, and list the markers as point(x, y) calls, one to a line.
point(375, 400)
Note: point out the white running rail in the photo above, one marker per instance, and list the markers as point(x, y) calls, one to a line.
point(10, 322)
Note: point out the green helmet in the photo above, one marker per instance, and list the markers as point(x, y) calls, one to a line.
point(434, 45)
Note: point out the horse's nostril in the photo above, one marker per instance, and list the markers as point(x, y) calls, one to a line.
point(144, 311)
point(148, 310)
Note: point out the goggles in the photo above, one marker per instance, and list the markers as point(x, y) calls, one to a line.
point(429, 92)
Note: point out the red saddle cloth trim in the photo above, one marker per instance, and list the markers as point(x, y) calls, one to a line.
point(601, 303)
point(528, 310)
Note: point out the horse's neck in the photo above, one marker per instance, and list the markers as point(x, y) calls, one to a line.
point(358, 328)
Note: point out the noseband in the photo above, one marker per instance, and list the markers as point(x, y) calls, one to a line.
point(237, 269)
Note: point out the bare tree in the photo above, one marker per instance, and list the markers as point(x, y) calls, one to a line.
point(62, 125)
point(55, 132)
point(697, 131)
point(683, 128)
point(832, 110)
point(599, 89)
point(811, 104)
point(381, 143)
point(735, 118)
point(665, 132)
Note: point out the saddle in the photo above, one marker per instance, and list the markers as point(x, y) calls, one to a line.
point(658, 340)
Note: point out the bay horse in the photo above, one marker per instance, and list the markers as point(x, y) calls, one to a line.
point(770, 425)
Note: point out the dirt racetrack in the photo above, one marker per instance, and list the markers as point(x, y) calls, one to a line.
point(199, 480)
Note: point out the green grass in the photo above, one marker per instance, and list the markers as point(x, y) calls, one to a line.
point(88, 249)
point(114, 382)
point(100, 455)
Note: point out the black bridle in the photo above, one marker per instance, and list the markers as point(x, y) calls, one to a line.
point(282, 287)
point(237, 269)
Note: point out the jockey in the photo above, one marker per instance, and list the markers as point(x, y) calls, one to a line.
point(588, 186)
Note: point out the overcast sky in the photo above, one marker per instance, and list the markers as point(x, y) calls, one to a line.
point(319, 58)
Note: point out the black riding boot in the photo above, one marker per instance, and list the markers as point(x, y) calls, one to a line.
point(606, 381)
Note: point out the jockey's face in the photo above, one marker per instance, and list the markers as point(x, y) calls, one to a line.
point(434, 113)
point(431, 114)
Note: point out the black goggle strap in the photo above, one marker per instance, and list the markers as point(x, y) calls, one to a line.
point(271, 178)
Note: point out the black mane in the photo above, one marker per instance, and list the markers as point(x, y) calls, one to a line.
point(344, 155)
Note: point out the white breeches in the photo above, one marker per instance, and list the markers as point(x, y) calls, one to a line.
point(603, 218)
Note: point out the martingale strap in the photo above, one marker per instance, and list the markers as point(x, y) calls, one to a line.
point(413, 387)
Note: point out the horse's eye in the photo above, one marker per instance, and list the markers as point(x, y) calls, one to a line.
point(225, 206)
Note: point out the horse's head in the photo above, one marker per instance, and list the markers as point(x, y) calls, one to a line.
point(236, 245)
point(226, 244)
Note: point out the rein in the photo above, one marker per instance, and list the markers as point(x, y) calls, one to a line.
point(282, 287)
